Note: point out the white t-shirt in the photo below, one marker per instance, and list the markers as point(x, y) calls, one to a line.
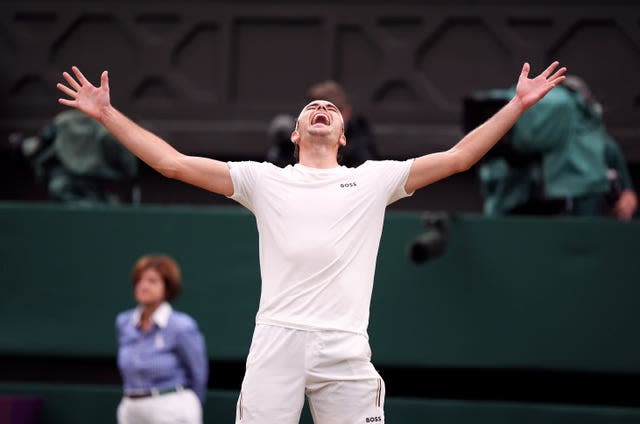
point(319, 233)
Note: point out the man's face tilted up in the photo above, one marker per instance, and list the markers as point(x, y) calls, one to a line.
point(320, 122)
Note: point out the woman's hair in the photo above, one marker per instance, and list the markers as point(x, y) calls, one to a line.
point(166, 267)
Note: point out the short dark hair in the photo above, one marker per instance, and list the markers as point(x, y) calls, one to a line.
point(168, 269)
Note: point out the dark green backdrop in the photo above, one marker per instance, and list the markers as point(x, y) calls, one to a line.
point(555, 294)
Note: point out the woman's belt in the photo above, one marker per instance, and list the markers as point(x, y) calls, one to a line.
point(137, 394)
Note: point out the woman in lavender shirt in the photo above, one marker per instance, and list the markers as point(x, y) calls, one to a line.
point(161, 355)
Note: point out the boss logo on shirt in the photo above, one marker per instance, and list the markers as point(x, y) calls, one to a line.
point(346, 185)
point(373, 419)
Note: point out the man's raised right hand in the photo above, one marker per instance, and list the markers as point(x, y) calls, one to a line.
point(86, 97)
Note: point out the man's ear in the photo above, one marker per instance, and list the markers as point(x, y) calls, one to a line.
point(295, 137)
point(342, 140)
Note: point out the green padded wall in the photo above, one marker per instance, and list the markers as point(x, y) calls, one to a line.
point(81, 404)
point(97, 404)
point(433, 411)
point(513, 292)
point(66, 274)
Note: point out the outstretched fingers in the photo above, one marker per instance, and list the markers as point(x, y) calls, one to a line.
point(67, 102)
point(104, 80)
point(84, 96)
point(558, 76)
point(71, 81)
point(525, 70)
point(72, 90)
point(550, 69)
point(66, 90)
point(80, 76)
point(69, 92)
point(548, 87)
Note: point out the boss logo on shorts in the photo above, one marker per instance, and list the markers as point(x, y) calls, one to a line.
point(373, 419)
point(347, 185)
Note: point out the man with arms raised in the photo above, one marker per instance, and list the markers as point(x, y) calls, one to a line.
point(320, 226)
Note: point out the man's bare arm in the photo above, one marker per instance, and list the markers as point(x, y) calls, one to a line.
point(433, 167)
point(94, 101)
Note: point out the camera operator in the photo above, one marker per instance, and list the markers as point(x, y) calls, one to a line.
point(557, 160)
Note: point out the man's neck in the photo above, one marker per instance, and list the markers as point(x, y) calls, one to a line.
point(319, 164)
point(318, 156)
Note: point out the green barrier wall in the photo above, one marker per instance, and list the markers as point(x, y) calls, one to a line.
point(80, 404)
point(554, 294)
point(97, 404)
point(513, 292)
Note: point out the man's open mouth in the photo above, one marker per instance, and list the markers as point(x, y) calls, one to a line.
point(320, 118)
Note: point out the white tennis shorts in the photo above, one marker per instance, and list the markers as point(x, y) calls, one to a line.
point(333, 369)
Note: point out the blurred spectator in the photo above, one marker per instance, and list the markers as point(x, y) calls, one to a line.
point(557, 159)
point(361, 144)
point(77, 156)
point(161, 353)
